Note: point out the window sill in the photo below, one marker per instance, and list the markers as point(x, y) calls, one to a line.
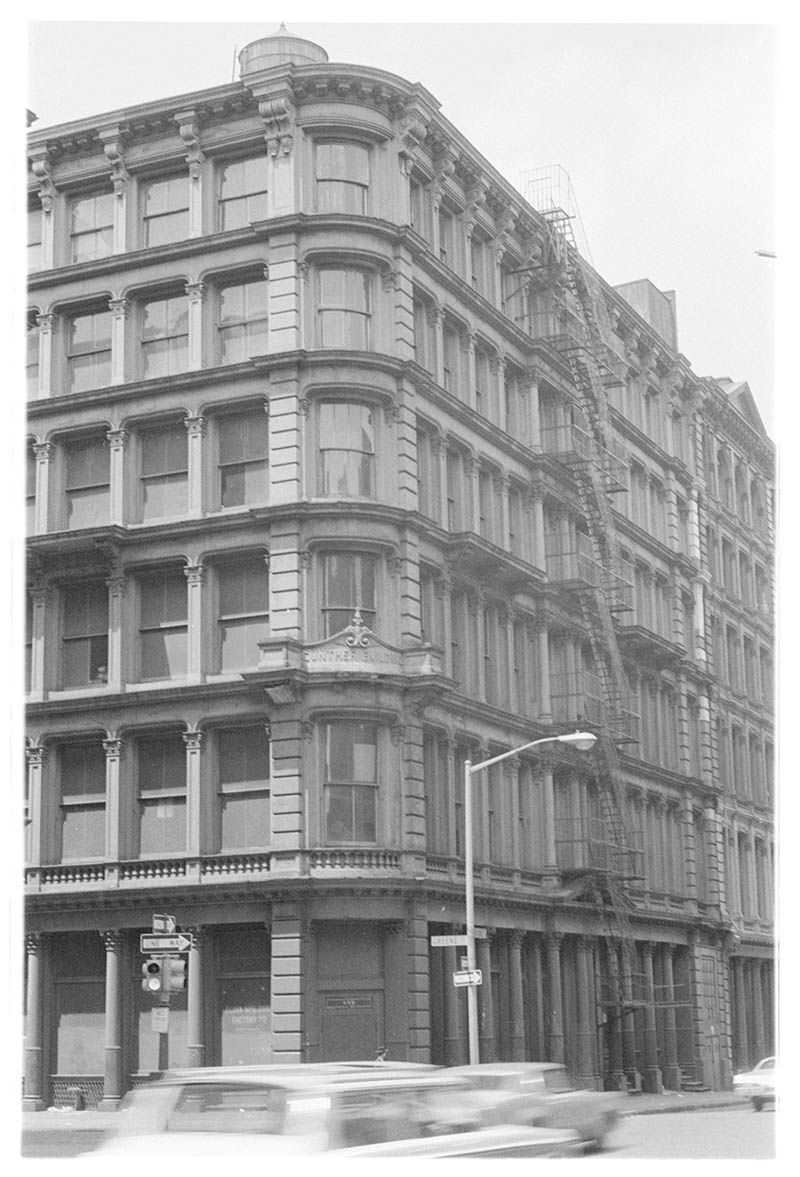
point(64, 693)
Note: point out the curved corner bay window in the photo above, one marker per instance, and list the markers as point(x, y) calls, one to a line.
point(89, 351)
point(347, 449)
point(342, 176)
point(242, 321)
point(243, 612)
point(343, 308)
point(243, 192)
point(165, 210)
point(165, 336)
point(162, 794)
point(163, 624)
point(91, 226)
point(243, 458)
point(165, 471)
point(351, 782)
point(86, 483)
point(85, 634)
point(243, 757)
point(83, 800)
point(348, 584)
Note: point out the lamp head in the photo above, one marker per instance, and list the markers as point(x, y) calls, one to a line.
point(583, 741)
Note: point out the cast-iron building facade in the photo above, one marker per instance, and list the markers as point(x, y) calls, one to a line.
point(343, 467)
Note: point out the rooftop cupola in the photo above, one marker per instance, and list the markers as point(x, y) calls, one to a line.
point(279, 49)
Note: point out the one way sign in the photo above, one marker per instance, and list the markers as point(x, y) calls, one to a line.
point(158, 943)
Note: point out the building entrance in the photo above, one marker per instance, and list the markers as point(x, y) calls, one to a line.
point(351, 1025)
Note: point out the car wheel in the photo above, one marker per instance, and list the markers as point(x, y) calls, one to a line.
point(758, 1103)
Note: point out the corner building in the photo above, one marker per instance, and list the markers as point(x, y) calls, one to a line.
point(343, 467)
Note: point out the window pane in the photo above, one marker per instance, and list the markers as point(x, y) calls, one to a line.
point(244, 436)
point(83, 769)
point(244, 588)
point(164, 654)
point(352, 750)
point(239, 643)
point(243, 756)
point(88, 463)
point(80, 1032)
point(83, 832)
point(343, 161)
point(162, 763)
point(85, 609)
point(163, 826)
point(163, 598)
point(245, 821)
point(165, 496)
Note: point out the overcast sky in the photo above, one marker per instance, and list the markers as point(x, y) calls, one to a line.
point(666, 130)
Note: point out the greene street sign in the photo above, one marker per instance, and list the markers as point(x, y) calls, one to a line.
point(456, 941)
point(179, 942)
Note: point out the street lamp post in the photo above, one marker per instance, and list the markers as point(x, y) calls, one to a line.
point(584, 742)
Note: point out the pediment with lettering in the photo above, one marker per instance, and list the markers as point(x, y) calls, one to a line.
point(354, 650)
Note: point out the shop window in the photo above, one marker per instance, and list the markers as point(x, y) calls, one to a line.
point(165, 336)
point(91, 226)
point(347, 449)
point(164, 478)
point(243, 612)
point(163, 624)
point(244, 458)
point(80, 1019)
point(242, 195)
point(343, 309)
point(161, 762)
point(351, 779)
point(348, 585)
point(86, 482)
point(83, 801)
point(242, 321)
point(244, 799)
point(342, 177)
point(165, 210)
point(34, 239)
point(88, 351)
point(84, 634)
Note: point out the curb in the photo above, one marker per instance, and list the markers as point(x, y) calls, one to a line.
point(687, 1107)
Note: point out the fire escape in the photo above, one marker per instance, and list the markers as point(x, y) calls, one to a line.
point(576, 328)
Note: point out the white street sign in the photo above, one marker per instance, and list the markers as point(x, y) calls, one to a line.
point(468, 977)
point(157, 943)
point(448, 941)
point(164, 923)
point(159, 1019)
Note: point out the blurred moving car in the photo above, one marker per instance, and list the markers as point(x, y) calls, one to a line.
point(757, 1085)
point(544, 1094)
point(354, 1112)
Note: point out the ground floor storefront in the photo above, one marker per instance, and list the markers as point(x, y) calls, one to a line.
point(345, 974)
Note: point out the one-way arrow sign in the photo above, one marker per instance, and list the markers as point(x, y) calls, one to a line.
point(177, 943)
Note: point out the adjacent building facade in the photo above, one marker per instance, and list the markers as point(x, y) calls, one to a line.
point(344, 468)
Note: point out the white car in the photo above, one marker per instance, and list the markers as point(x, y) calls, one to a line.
point(348, 1111)
point(757, 1085)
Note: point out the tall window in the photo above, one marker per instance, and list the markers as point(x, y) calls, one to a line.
point(343, 312)
point(88, 351)
point(162, 794)
point(83, 800)
point(242, 193)
point(165, 210)
point(347, 449)
point(342, 176)
point(348, 584)
point(446, 236)
point(32, 353)
point(30, 490)
point(243, 458)
point(242, 321)
point(427, 473)
point(165, 336)
point(163, 624)
point(482, 382)
point(165, 471)
point(477, 258)
point(243, 773)
point(424, 338)
point(91, 226)
point(86, 484)
point(35, 239)
point(243, 612)
point(28, 640)
point(351, 782)
point(84, 635)
point(450, 352)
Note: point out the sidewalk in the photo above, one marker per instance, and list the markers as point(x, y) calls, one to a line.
point(638, 1105)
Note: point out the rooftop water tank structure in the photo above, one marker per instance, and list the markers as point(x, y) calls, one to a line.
point(279, 49)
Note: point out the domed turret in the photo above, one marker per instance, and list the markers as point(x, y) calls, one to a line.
point(280, 48)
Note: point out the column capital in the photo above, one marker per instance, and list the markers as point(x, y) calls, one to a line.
point(553, 940)
point(36, 755)
point(113, 747)
point(195, 573)
point(199, 934)
point(43, 450)
point(516, 937)
point(193, 740)
point(194, 291)
point(195, 426)
point(117, 586)
point(119, 307)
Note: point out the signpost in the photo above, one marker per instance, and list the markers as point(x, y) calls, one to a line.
point(163, 973)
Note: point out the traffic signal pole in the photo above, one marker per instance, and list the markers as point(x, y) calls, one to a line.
point(163, 1037)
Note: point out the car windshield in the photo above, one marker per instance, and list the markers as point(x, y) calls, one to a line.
point(557, 1080)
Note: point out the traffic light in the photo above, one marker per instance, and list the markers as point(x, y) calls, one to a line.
point(153, 975)
point(175, 978)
